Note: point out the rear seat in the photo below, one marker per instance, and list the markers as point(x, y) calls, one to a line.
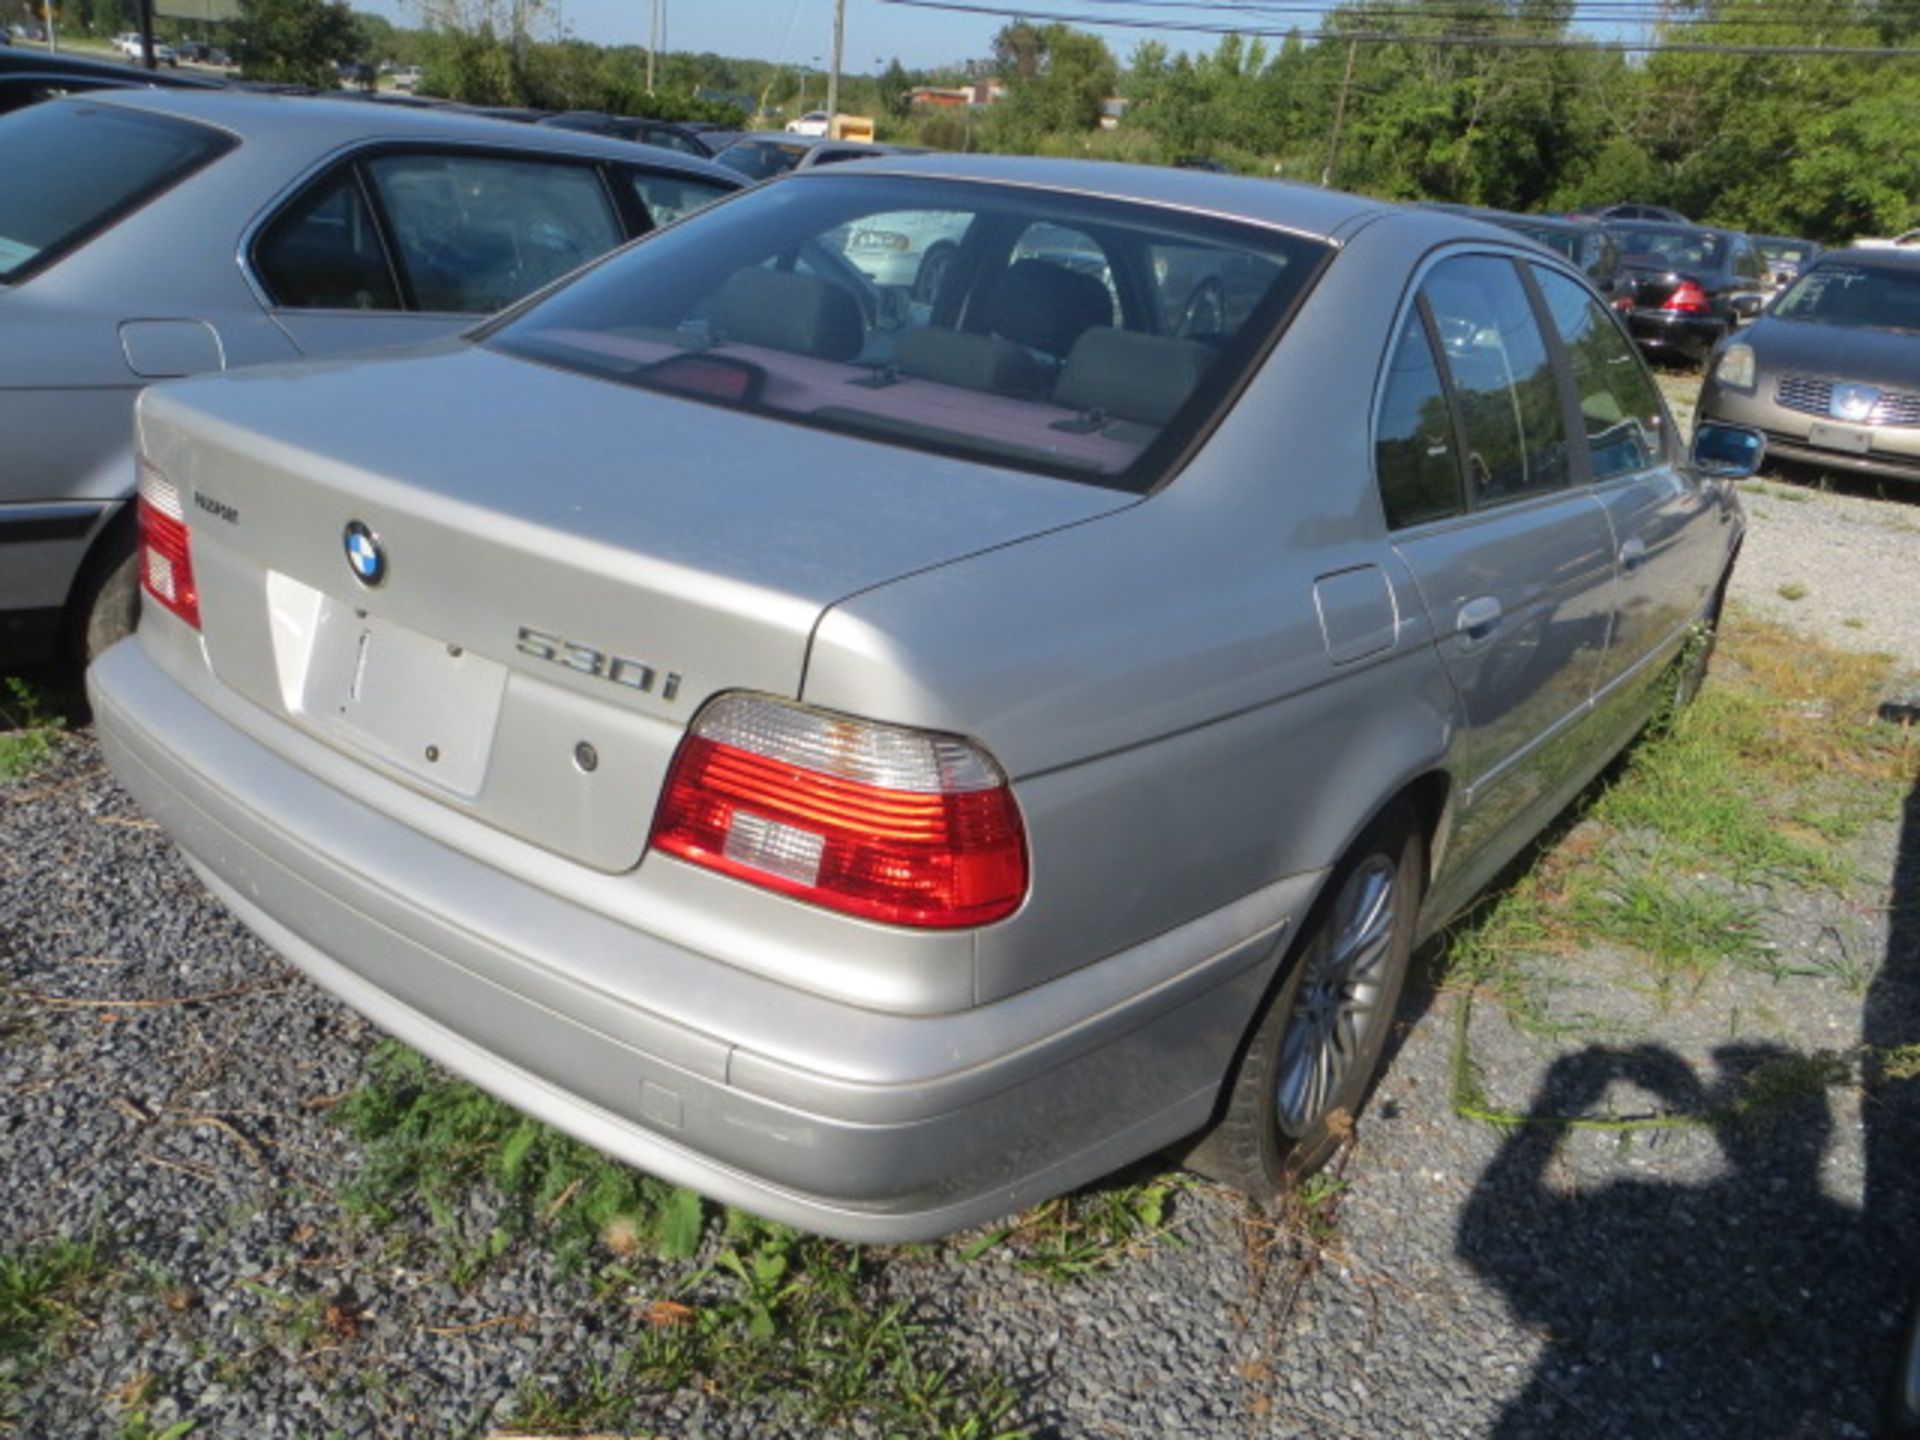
point(972, 362)
point(1130, 376)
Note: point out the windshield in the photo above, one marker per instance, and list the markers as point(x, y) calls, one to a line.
point(1854, 297)
point(1675, 249)
point(1084, 338)
point(73, 168)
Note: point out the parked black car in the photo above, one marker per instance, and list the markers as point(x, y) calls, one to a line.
point(1585, 242)
point(30, 76)
point(1689, 286)
point(635, 128)
point(1632, 210)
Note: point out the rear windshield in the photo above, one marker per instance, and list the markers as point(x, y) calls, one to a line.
point(1854, 297)
point(74, 168)
point(1563, 242)
point(1084, 338)
point(1787, 252)
point(1675, 248)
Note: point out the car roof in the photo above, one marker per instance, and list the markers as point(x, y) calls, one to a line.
point(1284, 204)
point(40, 63)
point(319, 125)
point(1669, 227)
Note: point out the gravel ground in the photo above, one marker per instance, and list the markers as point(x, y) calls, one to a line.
point(166, 1086)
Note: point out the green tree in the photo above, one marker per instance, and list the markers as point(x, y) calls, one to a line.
point(296, 41)
point(1056, 78)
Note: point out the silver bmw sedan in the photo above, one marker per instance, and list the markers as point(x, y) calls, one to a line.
point(147, 234)
point(884, 754)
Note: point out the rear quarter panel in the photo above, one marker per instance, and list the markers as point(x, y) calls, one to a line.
point(1157, 681)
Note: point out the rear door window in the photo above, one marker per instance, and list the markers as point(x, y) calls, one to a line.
point(1619, 404)
point(1503, 380)
point(473, 233)
point(74, 168)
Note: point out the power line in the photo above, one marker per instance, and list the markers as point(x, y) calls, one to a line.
point(1382, 37)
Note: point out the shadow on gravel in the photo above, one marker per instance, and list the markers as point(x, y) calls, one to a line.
point(1754, 1305)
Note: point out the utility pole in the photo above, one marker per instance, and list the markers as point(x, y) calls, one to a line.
point(833, 75)
point(53, 35)
point(1339, 115)
point(653, 41)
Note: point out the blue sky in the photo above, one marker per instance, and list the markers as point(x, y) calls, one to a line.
point(794, 31)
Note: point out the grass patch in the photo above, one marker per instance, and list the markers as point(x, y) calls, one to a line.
point(1682, 930)
point(1793, 590)
point(28, 728)
point(39, 1292)
point(1079, 1234)
point(767, 1314)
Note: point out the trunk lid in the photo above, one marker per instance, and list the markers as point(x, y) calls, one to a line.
point(1651, 286)
point(569, 567)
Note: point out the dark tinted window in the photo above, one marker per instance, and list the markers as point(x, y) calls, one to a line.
point(325, 252)
point(761, 160)
point(1672, 246)
point(1619, 405)
point(1502, 379)
point(72, 169)
point(796, 301)
point(477, 232)
point(1414, 454)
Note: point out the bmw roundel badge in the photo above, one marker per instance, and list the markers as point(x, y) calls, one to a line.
point(364, 554)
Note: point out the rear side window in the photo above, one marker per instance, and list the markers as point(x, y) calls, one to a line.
point(1503, 379)
point(476, 232)
point(668, 197)
point(1413, 449)
point(73, 169)
point(809, 302)
point(1619, 405)
point(325, 253)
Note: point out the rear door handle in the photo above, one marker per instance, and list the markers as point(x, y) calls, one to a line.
point(1478, 618)
point(1633, 554)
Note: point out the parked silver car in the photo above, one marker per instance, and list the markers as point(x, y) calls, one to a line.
point(1831, 373)
point(147, 233)
point(880, 764)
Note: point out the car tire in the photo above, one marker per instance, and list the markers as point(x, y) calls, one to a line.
point(106, 602)
point(1312, 1052)
point(935, 266)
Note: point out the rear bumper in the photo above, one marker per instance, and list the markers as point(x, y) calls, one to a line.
point(1661, 334)
point(952, 1120)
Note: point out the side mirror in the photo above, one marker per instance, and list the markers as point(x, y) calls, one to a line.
point(1727, 452)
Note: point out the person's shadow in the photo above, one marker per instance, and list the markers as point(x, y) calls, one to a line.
point(1753, 1304)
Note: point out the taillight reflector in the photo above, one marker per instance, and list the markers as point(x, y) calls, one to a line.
point(166, 551)
point(877, 821)
point(1687, 299)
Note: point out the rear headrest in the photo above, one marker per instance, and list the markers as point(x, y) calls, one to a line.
point(1143, 378)
point(1047, 306)
point(784, 311)
point(973, 362)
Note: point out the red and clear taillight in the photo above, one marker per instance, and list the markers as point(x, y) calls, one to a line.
point(1687, 299)
point(166, 557)
point(889, 824)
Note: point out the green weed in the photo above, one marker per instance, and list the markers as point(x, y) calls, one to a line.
point(1087, 1231)
point(1793, 590)
point(770, 1313)
point(39, 1290)
point(28, 729)
point(430, 1139)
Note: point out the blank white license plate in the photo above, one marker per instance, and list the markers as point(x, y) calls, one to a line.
point(1840, 437)
point(417, 702)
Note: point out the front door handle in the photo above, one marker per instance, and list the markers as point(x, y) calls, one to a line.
point(1633, 554)
point(1478, 618)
